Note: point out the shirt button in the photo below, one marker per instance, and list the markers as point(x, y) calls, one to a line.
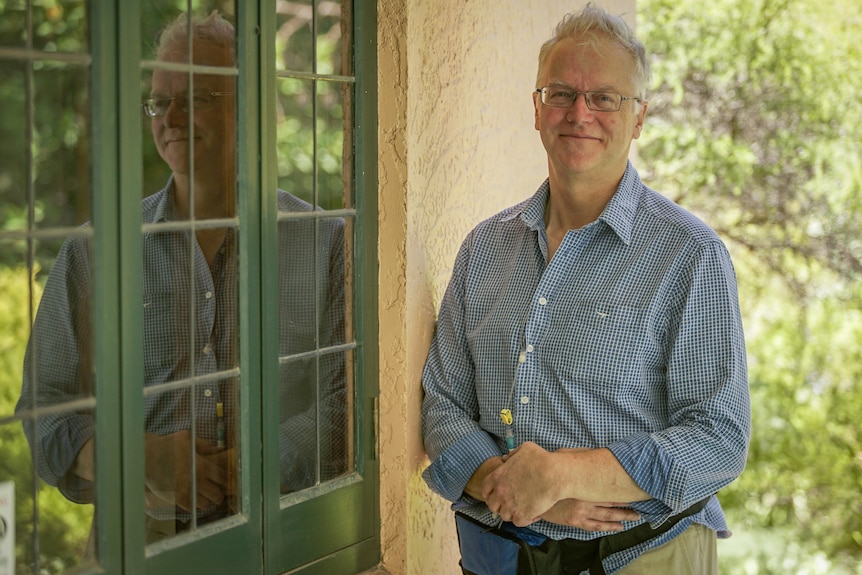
point(542, 301)
point(530, 347)
point(208, 392)
point(525, 400)
point(208, 349)
point(209, 294)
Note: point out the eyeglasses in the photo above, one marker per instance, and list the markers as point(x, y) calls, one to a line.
point(158, 107)
point(560, 97)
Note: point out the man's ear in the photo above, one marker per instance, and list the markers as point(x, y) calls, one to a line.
point(640, 120)
point(536, 110)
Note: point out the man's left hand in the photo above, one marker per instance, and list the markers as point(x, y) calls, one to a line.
point(522, 489)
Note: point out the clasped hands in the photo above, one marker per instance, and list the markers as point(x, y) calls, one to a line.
point(168, 471)
point(525, 486)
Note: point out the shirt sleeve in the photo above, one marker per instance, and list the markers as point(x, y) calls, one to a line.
point(57, 369)
point(454, 440)
point(706, 444)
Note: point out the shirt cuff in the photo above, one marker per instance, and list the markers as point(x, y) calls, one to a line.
point(653, 469)
point(449, 473)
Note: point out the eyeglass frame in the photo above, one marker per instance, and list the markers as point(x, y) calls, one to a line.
point(587, 96)
point(149, 103)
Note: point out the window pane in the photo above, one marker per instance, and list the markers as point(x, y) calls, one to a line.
point(47, 381)
point(60, 25)
point(314, 141)
point(44, 518)
point(295, 138)
point(294, 38)
point(314, 385)
point(334, 37)
point(57, 26)
point(334, 145)
point(61, 151)
point(315, 174)
point(190, 274)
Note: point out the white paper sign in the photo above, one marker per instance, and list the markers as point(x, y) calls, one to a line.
point(7, 528)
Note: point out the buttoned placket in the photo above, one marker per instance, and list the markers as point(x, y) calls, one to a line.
point(527, 377)
point(208, 394)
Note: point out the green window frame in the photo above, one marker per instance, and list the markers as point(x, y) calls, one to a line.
point(331, 528)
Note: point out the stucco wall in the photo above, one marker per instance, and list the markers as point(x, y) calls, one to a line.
point(457, 144)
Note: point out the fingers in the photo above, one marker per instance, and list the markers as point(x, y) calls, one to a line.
point(211, 477)
point(591, 516)
point(212, 469)
point(204, 447)
point(208, 493)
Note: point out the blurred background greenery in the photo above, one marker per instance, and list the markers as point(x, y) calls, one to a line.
point(753, 123)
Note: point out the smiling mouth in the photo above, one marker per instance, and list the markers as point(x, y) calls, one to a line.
point(179, 140)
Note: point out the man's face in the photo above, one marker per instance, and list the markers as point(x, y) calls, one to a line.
point(208, 126)
point(581, 142)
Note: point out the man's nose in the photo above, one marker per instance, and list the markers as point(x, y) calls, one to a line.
point(578, 108)
point(177, 114)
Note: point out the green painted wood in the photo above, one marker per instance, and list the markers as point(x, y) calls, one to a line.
point(341, 526)
point(105, 176)
point(337, 531)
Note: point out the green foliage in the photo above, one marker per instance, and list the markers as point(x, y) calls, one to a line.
point(313, 134)
point(753, 124)
point(63, 526)
point(45, 113)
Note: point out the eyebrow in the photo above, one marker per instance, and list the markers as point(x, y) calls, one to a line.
point(602, 88)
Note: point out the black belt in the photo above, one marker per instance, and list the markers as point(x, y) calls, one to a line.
point(572, 556)
point(578, 554)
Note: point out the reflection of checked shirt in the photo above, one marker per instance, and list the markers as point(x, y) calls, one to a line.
point(632, 340)
point(58, 353)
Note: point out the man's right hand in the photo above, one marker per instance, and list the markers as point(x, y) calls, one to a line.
point(590, 516)
point(168, 470)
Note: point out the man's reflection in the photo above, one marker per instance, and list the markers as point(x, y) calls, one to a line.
point(190, 315)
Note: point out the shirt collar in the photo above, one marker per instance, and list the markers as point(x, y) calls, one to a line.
point(165, 207)
point(619, 214)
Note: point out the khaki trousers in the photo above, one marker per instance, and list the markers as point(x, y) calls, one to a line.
point(692, 552)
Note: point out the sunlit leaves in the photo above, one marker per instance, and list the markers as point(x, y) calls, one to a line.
point(753, 124)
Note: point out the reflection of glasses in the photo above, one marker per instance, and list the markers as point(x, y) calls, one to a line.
point(559, 97)
point(158, 107)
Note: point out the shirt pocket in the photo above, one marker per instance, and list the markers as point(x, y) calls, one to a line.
point(163, 336)
point(601, 346)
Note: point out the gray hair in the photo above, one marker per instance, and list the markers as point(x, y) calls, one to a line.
point(593, 19)
point(213, 28)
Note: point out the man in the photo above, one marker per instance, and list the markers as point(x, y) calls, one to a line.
point(586, 387)
point(190, 315)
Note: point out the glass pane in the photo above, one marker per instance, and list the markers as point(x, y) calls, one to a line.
point(47, 382)
point(34, 514)
point(14, 156)
point(57, 26)
point(315, 142)
point(60, 25)
point(13, 23)
point(190, 274)
point(314, 389)
point(334, 145)
point(334, 37)
point(293, 36)
point(61, 150)
point(295, 138)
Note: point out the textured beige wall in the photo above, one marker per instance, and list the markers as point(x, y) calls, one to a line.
point(456, 144)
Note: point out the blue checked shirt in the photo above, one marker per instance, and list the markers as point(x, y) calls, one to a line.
point(631, 339)
point(57, 366)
